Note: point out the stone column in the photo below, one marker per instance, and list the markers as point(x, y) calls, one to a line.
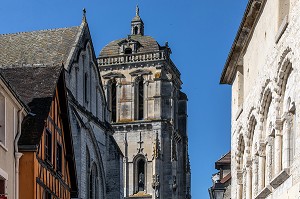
point(286, 142)
point(248, 180)
point(255, 176)
point(278, 147)
point(239, 191)
point(244, 183)
point(269, 161)
point(261, 169)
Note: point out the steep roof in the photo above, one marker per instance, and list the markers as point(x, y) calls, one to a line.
point(36, 87)
point(48, 47)
point(225, 160)
point(148, 44)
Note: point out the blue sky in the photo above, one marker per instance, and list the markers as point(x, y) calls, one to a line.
point(200, 34)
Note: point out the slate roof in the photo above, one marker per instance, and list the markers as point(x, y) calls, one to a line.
point(36, 88)
point(148, 44)
point(49, 47)
point(224, 160)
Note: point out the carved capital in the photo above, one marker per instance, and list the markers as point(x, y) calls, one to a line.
point(262, 149)
point(239, 177)
point(278, 124)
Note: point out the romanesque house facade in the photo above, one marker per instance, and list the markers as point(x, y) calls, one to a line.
point(263, 68)
point(148, 112)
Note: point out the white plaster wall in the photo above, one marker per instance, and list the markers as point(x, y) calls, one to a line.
point(262, 59)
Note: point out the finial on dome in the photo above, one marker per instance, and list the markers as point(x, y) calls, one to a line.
point(84, 15)
point(137, 10)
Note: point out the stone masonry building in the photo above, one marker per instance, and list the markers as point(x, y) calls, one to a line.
point(148, 112)
point(263, 68)
point(97, 156)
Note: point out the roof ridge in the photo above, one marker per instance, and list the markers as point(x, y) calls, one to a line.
point(224, 155)
point(42, 30)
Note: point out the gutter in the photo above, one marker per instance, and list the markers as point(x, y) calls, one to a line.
point(17, 154)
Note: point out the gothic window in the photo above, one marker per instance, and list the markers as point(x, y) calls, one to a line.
point(2, 120)
point(140, 174)
point(93, 183)
point(48, 146)
point(139, 99)
point(86, 88)
point(88, 168)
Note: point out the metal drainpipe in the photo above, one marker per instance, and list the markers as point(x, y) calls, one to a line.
point(17, 154)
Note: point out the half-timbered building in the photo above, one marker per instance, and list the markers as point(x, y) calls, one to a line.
point(47, 166)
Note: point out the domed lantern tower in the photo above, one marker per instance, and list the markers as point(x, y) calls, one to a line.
point(148, 112)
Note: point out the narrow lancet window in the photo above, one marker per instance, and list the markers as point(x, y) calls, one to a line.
point(139, 99)
point(114, 102)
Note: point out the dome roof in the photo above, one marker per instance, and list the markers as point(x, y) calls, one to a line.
point(147, 44)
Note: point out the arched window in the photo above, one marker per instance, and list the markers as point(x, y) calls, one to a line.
point(86, 88)
point(139, 174)
point(93, 183)
point(136, 30)
point(88, 169)
point(128, 51)
point(139, 99)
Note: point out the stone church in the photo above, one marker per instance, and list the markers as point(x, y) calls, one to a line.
point(126, 109)
point(148, 112)
point(263, 69)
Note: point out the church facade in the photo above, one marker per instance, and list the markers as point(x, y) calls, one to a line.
point(263, 68)
point(148, 112)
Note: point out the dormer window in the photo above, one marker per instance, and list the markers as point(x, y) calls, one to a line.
point(129, 46)
point(128, 51)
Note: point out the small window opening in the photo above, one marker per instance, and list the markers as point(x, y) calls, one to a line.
point(141, 100)
point(59, 158)
point(136, 30)
point(141, 175)
point(114, 102)
point(128, 51)
point(2, 187)
point(48, 146)
point(86, 87)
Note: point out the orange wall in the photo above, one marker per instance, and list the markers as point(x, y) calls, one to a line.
point(27, 175)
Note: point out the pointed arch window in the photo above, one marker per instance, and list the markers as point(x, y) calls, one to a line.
point(93, 183)
point(86, 88)
point(140, 166)
point(136, 30)
point(139, 99)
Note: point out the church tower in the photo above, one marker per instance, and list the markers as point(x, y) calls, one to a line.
point(148, 112)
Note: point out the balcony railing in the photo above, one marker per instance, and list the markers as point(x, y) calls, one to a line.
point(138, 57)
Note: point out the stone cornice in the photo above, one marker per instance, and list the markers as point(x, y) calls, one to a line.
point(251, 15)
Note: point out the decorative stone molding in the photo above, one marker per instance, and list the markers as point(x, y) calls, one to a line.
point(264, 192)
point(113, 75)
point(262, 149)
point(280, 178)
point(140, 72)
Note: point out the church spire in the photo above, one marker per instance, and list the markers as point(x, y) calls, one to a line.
point(137, 11)
point(137, 24)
